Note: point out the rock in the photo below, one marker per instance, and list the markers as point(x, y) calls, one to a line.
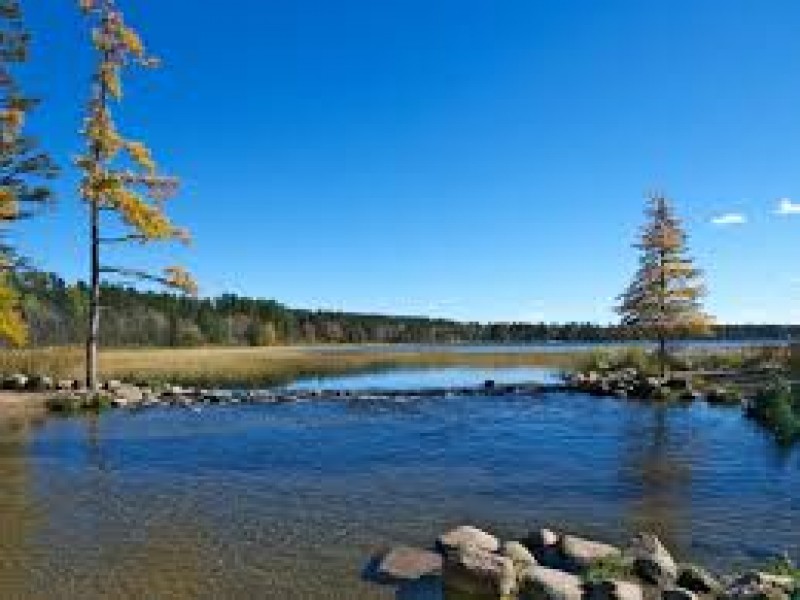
point(129, 393)
point(519, 555)
point(408, 564)
point(579, 554)
point(756, 585)
point(40, 383)
point(543, 583)
point(614, 589)
point(542, 538)
point(697, 579)
point(473, 570)
point(66, 385)
point(678, 593)
point(652, 561)
point(17, 381)
point(112, 385)
point(466, 535)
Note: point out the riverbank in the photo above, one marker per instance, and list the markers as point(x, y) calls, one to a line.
point(549, 565)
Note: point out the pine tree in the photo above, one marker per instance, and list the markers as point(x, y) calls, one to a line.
point(663, 300)
point(120, 177)
point(24, 168)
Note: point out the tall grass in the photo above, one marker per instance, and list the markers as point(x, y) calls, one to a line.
point(248, 367)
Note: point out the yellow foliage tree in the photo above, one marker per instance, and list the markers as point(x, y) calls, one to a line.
point(23, 167)
point(663, 300)
point(120, 177)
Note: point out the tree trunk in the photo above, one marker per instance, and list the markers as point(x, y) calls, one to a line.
point(94, 301)
point(662, 355)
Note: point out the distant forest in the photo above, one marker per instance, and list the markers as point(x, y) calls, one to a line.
point(57, 312)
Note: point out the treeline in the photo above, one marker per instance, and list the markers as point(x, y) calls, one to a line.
point(56, 312)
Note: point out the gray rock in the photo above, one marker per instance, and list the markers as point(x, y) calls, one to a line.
point(697, 579)
point(466, 535)
point(542, 538)
point(580, 554)
point(17, 381)
point(652, 561)
point(519, 555)
point(614, 589)
point(112, 385)
point(408, 564)
point(129, 393)
point(474, 570)
point(543, 583)
point(66, 385)
point(678, 593)
point(756, 585)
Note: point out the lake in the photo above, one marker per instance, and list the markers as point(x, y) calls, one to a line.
point(289, 501)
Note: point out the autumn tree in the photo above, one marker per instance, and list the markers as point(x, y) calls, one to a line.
point(120, 178)
point(24, 168)
point(663, 300)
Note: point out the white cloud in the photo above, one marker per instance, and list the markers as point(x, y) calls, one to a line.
point(729, 219)
point(787, 207)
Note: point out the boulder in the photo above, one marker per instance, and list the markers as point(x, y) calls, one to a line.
point(17, 381)
point(652, 561)
point(579, 554)
point(466, 535)
point(519, 555)
point(756, 585)
point(66, 385)
point(112, 385)
point(543, 583)
point(130, 394)
point(542, 538)
point(678, 593)
point(614, 589)
point(697, 579)
point(476, 571)
point(408, 564)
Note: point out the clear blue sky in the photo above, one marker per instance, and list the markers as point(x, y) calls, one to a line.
point(467, 158)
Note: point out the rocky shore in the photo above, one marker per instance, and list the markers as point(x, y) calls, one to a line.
point(547, 565)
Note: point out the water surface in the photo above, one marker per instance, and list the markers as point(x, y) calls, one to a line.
point(288, 501)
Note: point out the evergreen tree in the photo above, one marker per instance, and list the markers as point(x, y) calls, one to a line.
point(663, 300)
point(135, 191)
point(24, 168)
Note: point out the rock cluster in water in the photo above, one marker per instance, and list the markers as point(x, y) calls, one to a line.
point(547, 565)
point(630, 383)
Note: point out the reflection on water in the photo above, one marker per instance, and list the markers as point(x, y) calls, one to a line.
point(422, 378)
point(289, 501)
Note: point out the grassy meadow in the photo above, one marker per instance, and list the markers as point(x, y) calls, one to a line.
point(248, 366)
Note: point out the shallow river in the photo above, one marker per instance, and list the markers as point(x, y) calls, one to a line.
point(289, 501)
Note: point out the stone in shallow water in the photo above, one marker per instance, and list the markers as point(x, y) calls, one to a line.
point(652, 561)
point(407, 564)
point(466, 535)
point(580, 554)
point(543, 583)
point(697, 579)
point(476, 571)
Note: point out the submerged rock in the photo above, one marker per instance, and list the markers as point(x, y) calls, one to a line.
point(407, 564)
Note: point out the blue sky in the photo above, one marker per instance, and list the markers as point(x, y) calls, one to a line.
point(463, 158)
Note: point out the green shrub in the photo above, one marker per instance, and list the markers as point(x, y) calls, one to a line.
point(777, 407)
point(611, 567)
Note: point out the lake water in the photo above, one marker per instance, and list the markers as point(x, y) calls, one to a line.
point(288, 501)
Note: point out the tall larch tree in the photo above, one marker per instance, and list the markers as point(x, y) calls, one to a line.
point(663, 301)
point(120, 178)
point(24, 168)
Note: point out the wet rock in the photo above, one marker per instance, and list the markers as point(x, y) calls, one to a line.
point(17, 381)
point(543, 583)
point(756, 585)
point(473, 570)
point(466, 535)
point(408, 564)
point(652, 561)
point(542, 538)
point(519, 555)
point(697, 579)
point(614, 589)
point(677, 593)
point(579, 554)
